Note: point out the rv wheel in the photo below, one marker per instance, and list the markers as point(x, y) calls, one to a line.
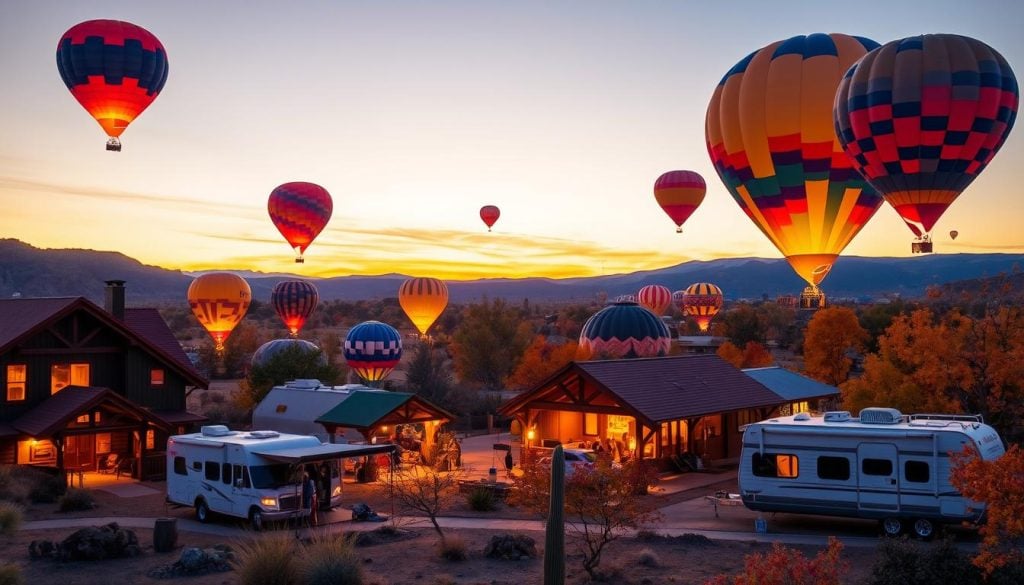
point(924, 529)
point(202, 511)
point(256, 519)
point(892, 526)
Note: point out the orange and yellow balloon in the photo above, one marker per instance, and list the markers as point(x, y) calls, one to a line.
point(423, 300)
point(770, 135)
point(219, 300)
point(702, 301)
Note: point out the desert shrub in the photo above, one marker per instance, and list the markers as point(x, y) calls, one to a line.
point(453, 548)
point(904, 562)
point(330, 560)
point(790, 566)
point(47, 489)
point(76, 499)
point(268, 560)
point(10, 574)
point(22, 484)
point(648, 558)
point(482, 500)
point(10, 518)
point(7, 483)
point(1009, 574)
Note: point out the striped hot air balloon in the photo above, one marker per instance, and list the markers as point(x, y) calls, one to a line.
point(372, 350)
point(219, 300)
point(423, 300)
point(656, 298)
point(702, 301)
point(679, 193)
point(300, 211)
point(294, 301)
point(624, 330)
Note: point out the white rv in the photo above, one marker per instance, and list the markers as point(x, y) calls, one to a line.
point(255, 475)
point(883, 465)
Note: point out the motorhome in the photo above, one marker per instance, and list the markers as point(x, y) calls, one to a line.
point(881, 465)
point(253, 474)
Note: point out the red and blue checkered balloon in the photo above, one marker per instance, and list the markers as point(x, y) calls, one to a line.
point(372, 350)
point(300, 211)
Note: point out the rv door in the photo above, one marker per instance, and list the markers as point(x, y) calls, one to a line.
point(878, 477)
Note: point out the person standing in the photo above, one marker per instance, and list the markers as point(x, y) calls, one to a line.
point(309, 497)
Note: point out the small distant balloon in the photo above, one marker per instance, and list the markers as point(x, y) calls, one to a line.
point(219, 300)
point(679, 193)
point(300, 211)
point(655, 298)
point(294, 301)
point(490, 214)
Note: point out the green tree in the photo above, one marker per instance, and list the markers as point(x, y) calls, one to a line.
point(330, 344)
point(742, 325)
point(489, 343)
point(429, 375)
point(290, 363)
point(831, 335)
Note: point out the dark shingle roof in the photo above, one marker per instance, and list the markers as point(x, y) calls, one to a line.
point(18, 317)
point(73, 401)
point(790, 385)
point(670, 388)
point(151, 326)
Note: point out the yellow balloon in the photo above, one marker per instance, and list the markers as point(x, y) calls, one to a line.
point(423, 300)
point(219, 300)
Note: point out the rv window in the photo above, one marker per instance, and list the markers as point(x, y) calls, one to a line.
point(270, 476)
point(179, 466)
point(212, 470)
point(225, 474)
point(834, 468)
point(243, 475)
point(876, 467)
point(916, 471)
point(775, 465)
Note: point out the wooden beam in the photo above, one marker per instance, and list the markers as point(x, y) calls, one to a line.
point(64, 351)
point(580, 408)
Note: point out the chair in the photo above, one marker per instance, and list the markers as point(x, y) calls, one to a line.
point(126, 466)
point(109, 463)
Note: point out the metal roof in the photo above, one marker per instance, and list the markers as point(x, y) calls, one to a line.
point(294, 409)
point(790, 385)
point(366, 409)
point(322, 452)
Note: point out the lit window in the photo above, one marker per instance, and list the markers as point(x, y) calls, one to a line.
point(156, 377)
point(775, 465)
point(788, 466)
point(63, 375)
point(16, 382)
point(150, 439)
point(84, 419)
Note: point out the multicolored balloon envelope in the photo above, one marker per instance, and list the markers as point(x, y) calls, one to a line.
point(300, 211)
point(372, 350)
point(273, 348)
point(490, 214)
point(770, 136)
point(115, 69)
point(219, 301)
point(702, 301)
point(679, 193)
point(656, 298)
point(624, 330)
point(922, 117)
point(294, 301)
point(423, 300)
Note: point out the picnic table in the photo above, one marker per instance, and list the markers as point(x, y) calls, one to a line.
point(722, 498)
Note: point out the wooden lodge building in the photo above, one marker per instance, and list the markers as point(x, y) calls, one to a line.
point(657, 408)
point(86, 388)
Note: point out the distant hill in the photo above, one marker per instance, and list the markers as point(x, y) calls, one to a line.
point(34, 272)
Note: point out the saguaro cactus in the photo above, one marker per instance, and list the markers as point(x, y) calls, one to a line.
point(554, 534)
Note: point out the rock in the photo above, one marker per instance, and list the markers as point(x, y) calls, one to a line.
point(511, 547)
point(196, 561)
point(99, 542)
point(39, 549)
point(192, 559)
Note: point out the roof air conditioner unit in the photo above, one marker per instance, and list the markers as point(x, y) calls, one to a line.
point(304, 383)
point(802, 416)
point(837, 416)
point(216, 431)
point(264, 434)
point(881, 416)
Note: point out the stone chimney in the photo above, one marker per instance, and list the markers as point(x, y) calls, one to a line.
point(115, 298)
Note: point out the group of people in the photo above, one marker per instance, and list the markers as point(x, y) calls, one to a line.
point(615, 448)
point(316, 488)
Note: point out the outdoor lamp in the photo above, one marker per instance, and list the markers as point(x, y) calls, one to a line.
point(530, 434)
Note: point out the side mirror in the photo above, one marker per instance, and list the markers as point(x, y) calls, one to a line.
point(238, 482)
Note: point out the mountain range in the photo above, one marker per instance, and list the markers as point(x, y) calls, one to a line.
point(27, 271)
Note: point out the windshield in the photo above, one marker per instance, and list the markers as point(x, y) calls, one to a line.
point(271, 476)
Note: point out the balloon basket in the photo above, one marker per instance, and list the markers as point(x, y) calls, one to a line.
point(812, 298)
point(300, 260)
point(921, 247)
point(114, 144)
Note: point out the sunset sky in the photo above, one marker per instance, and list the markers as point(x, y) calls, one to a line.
point(415, 114)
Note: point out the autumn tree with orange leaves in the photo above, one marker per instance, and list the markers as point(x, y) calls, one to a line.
point(753, 355)
point(831, 335)
point(541, 359)
point(1000, 485)
point(951, 363)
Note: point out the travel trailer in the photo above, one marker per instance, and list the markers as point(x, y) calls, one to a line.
point(882, 465)
point(253, 474)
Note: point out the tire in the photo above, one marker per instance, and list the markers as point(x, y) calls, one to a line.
point(892, 527)
point(924, 529)
point(256, 519)
point(202, 511)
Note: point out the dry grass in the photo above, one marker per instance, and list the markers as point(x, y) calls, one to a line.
point(330, 560)
point(268, 559)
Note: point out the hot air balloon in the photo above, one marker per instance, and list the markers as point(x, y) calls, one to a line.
point(679, 193)
point(624, 330)
point(115, 69)
point(770, 136)
point(921, 117)
point(219, 300)
point(656, 298)
point(294, 301)
point(423, 300)
point(953, 234)
point(300, 211)
point(372, 350)
point(268, 350)
point(490, 214)
point(702, 301)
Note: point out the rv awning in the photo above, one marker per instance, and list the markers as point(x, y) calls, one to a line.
point(321, 452)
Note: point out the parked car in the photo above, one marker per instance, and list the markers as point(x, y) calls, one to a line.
point(574, 458)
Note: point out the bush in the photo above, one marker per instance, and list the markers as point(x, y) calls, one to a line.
point(10, 518)
point(10, 574)
point(648, 558)
point(330, 560)
point(21, 484)
point(453, 548)
point(267, 560)
point(482, 500)
point(76, 499)
point(48, 489)
point(903, 562)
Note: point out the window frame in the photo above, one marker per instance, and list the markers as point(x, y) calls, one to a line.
point(11, 384)
point(874, 466)
point(74, 371)
point(157, 377)
point(912, 477)
point(833, 467)
point(767, 465)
